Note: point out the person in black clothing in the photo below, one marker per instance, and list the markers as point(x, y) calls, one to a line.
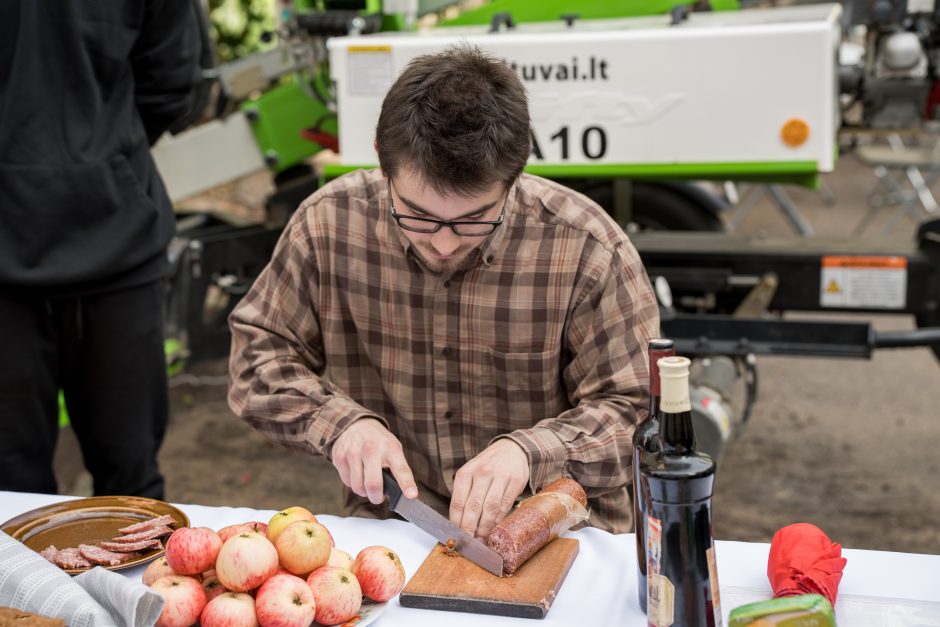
point(86, 86)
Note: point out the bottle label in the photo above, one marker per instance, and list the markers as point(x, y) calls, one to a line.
point(713, 584)
point(660, 601)
point(660, 592)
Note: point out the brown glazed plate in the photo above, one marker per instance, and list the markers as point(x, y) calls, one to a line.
point(89, 521)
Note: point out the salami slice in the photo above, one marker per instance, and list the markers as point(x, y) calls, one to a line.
point(160, 521)
point(49, 553)
point(71, 558)
point(146, 534)
point(97, 555)
point(129, 547)
point(537, 521)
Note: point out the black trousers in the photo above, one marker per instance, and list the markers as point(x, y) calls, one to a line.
point(105, 351)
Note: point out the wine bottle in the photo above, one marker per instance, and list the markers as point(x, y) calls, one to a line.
point(645, 441)
point(682, 576)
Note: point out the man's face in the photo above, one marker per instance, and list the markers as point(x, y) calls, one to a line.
point(444, 251)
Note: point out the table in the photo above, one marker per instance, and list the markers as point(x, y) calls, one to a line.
point(879, 588)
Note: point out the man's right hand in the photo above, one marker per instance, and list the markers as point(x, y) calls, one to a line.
point(362, 451)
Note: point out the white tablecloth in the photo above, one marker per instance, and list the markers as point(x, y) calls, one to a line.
point(878, 588)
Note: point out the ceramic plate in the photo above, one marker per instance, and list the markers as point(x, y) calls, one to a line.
point(368, 612)
point(89, 521)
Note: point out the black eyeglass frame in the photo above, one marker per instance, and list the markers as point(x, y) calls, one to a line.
point(454, 224)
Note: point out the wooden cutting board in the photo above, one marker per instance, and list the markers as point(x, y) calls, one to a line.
point(456, 584)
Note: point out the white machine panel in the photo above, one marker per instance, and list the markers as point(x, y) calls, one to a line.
point(715, 89)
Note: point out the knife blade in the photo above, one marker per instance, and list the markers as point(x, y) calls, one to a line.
point(428, 520)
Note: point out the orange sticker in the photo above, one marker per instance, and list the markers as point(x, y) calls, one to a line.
point(860, 261)
point(795, 132)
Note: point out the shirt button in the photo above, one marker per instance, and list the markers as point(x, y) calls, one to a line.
point(489, 259)
point(445, 351)
point(448, 414)
point(446, 283)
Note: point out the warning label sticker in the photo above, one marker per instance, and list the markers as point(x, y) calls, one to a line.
point(370, 72)
point(870, 282)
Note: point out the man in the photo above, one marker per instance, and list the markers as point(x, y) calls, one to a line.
point(474, 329)
point(85, 88)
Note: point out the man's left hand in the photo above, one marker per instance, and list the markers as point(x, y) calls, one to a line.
point(486, 487)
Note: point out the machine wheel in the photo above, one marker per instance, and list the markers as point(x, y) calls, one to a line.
point(658, 206)
point(663, 208)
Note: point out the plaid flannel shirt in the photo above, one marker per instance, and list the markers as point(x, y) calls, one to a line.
point(542, 339)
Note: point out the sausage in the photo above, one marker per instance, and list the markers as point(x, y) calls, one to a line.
point(538, 519)
point(130, 547)
point(147, 534)
point(97, 555)
point(49, 553)
point(71, 558)
point(159, 521)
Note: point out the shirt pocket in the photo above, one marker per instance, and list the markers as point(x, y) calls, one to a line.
point(523, 389)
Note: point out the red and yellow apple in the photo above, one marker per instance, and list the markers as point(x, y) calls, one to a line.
point(232, 609)
point(183, 600)
point(379, 572)
point(245, 561)
point(303, 546)
point(285, 601)
point(285, 517)
point(192, 550)
point(156, 569)
point(337, 594)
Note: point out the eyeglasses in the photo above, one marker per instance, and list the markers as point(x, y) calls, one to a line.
point(463, 228)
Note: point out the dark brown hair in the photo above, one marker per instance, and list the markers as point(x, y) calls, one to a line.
point(459, 119)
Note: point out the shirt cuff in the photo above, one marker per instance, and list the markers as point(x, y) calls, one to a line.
point(546, 452)
point(332, 419)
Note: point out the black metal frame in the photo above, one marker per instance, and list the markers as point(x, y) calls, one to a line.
point(720, 269)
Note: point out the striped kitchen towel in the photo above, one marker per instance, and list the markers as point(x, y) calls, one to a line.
point(95, 598)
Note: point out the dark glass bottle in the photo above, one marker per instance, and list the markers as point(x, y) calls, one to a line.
point(682, 577)
point(645, 441)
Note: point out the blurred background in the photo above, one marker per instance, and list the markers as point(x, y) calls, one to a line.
point(848, 444)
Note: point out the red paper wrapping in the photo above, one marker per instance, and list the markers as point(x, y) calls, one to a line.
point(804, 560)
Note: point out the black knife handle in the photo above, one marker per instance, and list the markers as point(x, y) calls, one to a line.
point(391, 488)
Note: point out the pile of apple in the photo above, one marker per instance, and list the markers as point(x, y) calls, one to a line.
point(287, 572)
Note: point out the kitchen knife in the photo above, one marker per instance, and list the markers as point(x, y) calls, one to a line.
point(427, 519)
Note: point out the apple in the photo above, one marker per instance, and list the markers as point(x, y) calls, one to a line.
point(327, 532)
point(285, 601)
point(233, 530)
point(183, 600)
point(340, 558)
point(285, 517)
point(245, 561)
point(337, 594)
point(379, 572)
point(212, 587)
point(155, 570)
point(190, 551)
point(232, 609)
point(303, 546)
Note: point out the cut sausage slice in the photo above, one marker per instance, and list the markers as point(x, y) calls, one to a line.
point(71, 558)
point(49, 553)
point(97, 555)
point(160, 521)
point(129, 547)
point(146, 534)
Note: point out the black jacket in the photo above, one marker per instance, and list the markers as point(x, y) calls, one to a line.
point(85, 87)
